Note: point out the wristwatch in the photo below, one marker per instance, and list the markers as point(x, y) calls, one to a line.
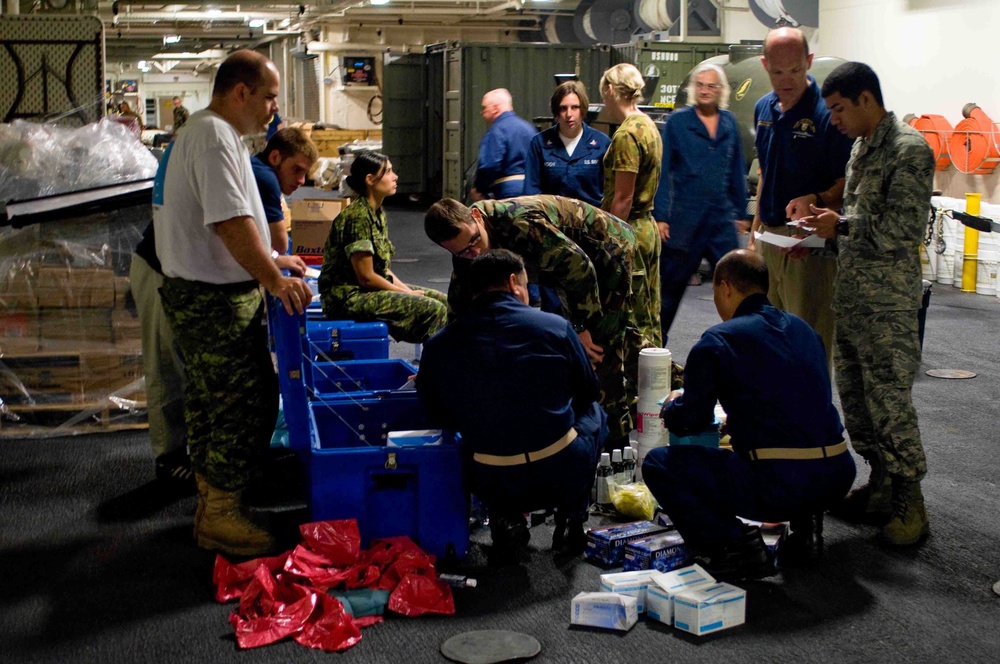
point(843, 227)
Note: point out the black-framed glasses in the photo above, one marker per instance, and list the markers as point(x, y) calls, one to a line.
point(474, 241)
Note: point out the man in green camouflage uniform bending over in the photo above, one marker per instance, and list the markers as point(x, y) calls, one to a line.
point(876, 299)
point(581, 252)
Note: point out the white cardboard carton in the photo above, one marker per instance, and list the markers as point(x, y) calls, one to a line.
point(710, 608)
point(608, 610)
point(664, 585)
point(632, 584)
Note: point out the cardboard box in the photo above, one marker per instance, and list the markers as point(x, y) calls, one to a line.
point(632, 584)
point(18, 332)
point(607, 610)
point(74, 288)
point(312, 219)
point(606, 545)
point(42, 379)
point(710, 608)
point(111, 372)
point(662, 587)
point(127, 331)
point(662, 552)
point(73, 330)
point(19, 289)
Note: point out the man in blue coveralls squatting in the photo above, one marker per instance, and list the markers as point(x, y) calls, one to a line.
point(502, 150)
point(518, 385)
point(789, 461)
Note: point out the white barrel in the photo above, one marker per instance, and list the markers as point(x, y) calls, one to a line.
point(986, 272)
point(927, 266)
point(654, 377)
point(956, 280)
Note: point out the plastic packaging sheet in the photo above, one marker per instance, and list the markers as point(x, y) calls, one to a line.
point(287, 595)
point(42, 159)
point(634, 500)
point(70, 340)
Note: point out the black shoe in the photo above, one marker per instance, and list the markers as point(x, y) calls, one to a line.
point(573, 540)
point(173, 470)
point(805, 543)
point(510, 539)
point(745, 557)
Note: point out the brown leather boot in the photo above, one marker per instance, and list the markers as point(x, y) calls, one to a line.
point(223, 527)
point(909, 522)
point(201, 485)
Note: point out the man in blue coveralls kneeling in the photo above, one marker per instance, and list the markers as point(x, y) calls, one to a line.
point(517, 384)
point(789, 461)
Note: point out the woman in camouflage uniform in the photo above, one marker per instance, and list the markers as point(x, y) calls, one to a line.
point(631, 175)
point(356, 281)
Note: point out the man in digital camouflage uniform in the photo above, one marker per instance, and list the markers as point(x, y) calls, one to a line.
point(877, 296)
point(579, 251)
point(213, 243)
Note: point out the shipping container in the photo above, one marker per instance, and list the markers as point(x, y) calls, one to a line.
point(465, 72)
point(669, 62)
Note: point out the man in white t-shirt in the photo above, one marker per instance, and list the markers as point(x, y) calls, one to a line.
point(213, 243)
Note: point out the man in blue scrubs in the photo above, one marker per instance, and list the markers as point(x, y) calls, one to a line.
point(702, 190)
point(500, 172)
point(789, 460)
point(567, 159)
point(802, 160)
point(519, 387)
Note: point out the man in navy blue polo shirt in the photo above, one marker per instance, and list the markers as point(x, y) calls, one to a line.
point(282, 168)
point(802, 161)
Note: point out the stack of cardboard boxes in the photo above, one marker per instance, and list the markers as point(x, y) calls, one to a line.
point(69, 333)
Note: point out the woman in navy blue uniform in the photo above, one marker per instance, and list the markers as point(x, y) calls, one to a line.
point(567, 158)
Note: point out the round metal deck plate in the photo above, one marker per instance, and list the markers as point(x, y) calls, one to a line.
point(996, 587)
point(490, 646)
point(951, 374)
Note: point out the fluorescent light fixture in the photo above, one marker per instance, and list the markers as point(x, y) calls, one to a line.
point(379, 3)
point(257, 23)
point(143, 64)
point(285, 22)
point(214, 12)
point(171, 39)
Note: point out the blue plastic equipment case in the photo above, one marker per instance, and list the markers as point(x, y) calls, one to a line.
point(391, 491)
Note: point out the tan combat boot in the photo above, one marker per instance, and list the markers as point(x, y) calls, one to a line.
point(222, 527)
point(909, 523)
point(201, 484)
point(870, 503)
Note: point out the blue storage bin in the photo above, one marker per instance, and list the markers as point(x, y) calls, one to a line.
point(391, 491)
point(335, 340)
point(347, 378)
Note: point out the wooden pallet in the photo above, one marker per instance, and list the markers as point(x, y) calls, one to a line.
point(104, 411)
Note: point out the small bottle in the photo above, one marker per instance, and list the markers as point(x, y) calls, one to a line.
point(604, 474)
point(617, 468)
point(458, 581)
point(628, 464)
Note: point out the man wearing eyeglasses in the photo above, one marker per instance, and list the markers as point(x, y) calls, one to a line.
point(581, 252)
point(702, 190)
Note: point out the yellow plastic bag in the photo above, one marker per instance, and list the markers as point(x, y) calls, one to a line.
point(634, 500)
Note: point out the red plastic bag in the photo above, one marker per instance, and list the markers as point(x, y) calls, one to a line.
point(231, 580)
point(411, 561)
point(339, 541)
point(315, 569)
point(270, 610)
point(416, 595)
point(330, 628)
